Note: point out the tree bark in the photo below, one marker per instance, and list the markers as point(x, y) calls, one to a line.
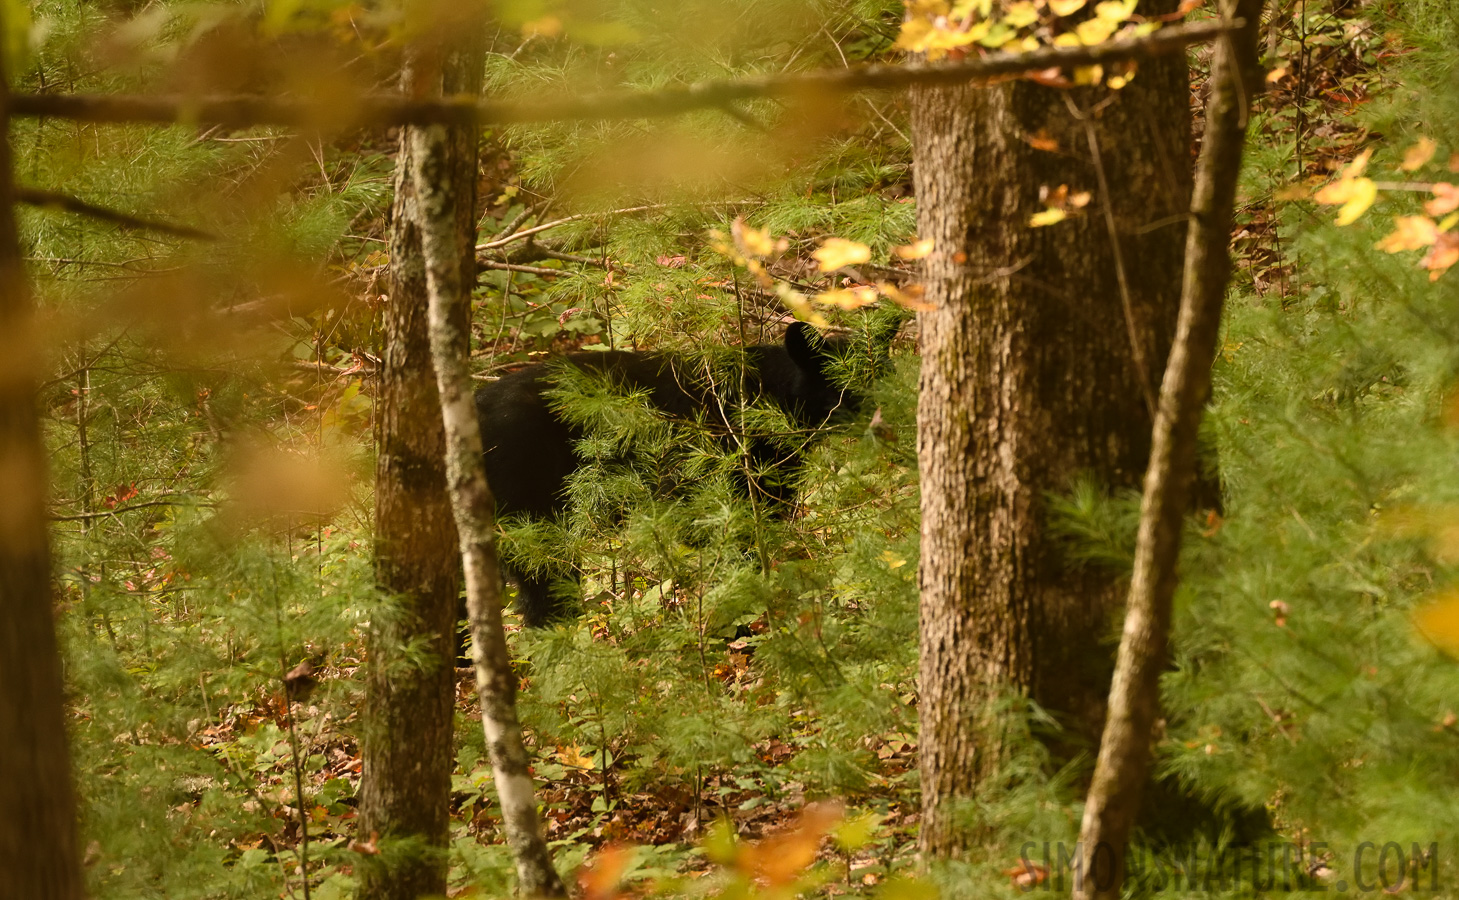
point(1036, 368)
point(436, 186)
point(1134, 700)
point(408, 748)
point(38, 854)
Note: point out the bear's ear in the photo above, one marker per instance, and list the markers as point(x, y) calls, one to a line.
point(804, 346)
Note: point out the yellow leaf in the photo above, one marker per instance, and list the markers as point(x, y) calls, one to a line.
point(1088, 74)
point(796, 302)
point(1066, 7)
point(752, 241)
point(892, 560)
point(835, 253)
point(1358, 165)
point(914, 35)
point(909, 297)
point(1116, 11)
point(1409, 233)
point(1021, 14)
point(1419, 154)
point(574, 758)
point(1449, 221)
point(1050, 216)
point(1439, 622)
point(547, 26)
point(1276, 74)
point(1364, 193)
point(1067, 39)
point(1446, 199)
point(915, 250)
point(848, 298)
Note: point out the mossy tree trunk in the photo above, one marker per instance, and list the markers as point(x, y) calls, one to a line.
point(1040, 363)
point(408, 749)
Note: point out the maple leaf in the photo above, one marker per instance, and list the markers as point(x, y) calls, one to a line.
point(848, 298)
point(835, 253)
point(1438, 622)
point(915, 250)
point(1051, 216)
point(1409, 233)
point(1419, 154)
point(753, 241)
point(1021, 14)
point(1446, 199)
point(909, 297)
point(1442, 255)
point(1355, 194)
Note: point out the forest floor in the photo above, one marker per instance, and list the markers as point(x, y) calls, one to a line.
point(1320, 79)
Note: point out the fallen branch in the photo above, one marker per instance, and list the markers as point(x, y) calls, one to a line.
point(325, 114)
point(67, 203)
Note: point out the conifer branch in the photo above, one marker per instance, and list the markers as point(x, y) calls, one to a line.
point(245, 112)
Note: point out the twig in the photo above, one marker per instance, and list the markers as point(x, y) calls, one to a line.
point(1148, 386)
point(575, 258)
point(244, 112)
point(121, 509)
point(67, 203)
point(518, 267)
point(537, 229)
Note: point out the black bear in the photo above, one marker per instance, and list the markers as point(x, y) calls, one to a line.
point(531, 448)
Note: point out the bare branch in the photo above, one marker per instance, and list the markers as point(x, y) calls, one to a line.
point(101, 514)
point(517, 267)
point(325, 114)
point(67, 203)
point(1134, 697)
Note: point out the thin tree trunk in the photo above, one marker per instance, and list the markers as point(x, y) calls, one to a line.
point(38, 858)
point(1134, 700)
point(1036, 369)
point(408, 748)
point(450, 297)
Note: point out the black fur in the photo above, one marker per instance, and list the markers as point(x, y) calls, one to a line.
point(530, 450)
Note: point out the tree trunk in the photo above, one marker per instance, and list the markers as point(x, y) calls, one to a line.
point(408, 749)
point(1134, 702)
point(1036, 368)
point(496, 683)
point(38, 858)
